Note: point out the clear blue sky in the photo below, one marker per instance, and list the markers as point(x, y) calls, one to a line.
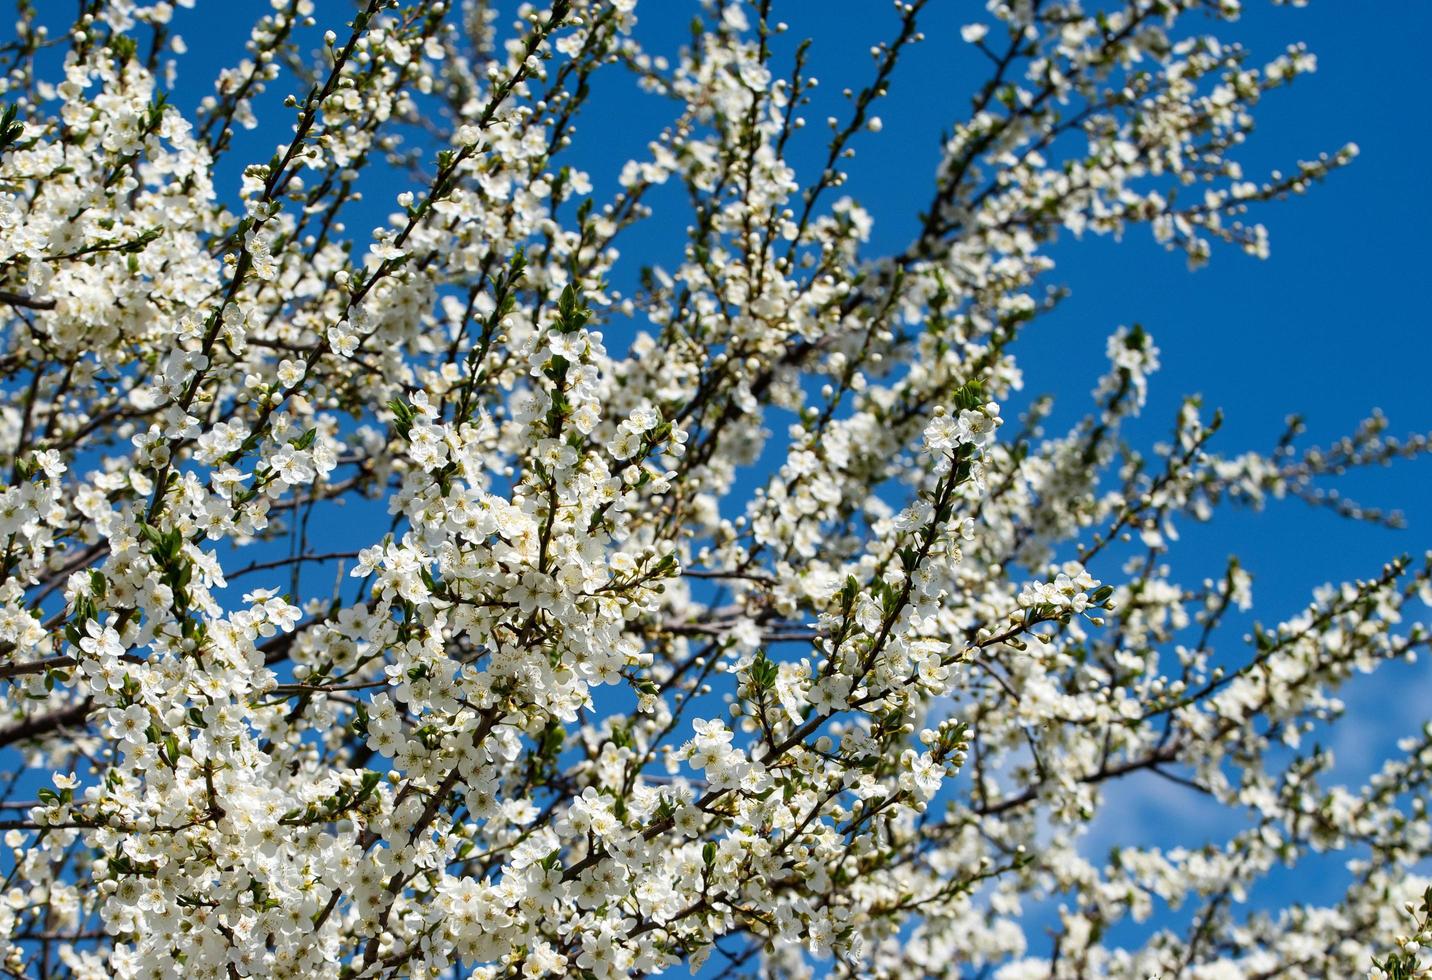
point(1333, 325)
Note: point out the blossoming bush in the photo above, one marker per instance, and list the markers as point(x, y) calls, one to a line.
point(584, 688)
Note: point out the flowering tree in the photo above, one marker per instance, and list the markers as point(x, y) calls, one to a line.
point(584, 690)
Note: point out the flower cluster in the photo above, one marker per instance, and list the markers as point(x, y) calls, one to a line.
point(451, 595)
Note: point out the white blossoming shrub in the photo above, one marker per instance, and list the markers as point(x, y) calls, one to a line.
point(416, 602)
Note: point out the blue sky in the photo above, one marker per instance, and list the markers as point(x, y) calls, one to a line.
point(1333, 325)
